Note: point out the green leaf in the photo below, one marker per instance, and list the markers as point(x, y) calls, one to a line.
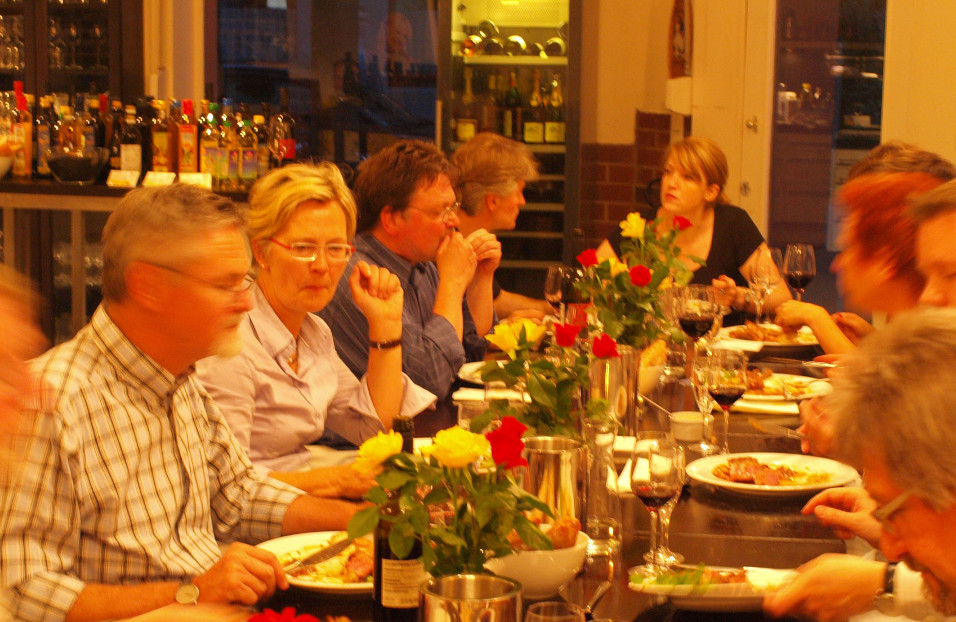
point(364, 521)
point(401, 539)
point(532, 535)
point(391, 479)
point(377, 495)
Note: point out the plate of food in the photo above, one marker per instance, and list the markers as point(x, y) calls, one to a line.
point(770, 335)
point(771, 474)
point(764, 385)
point(349, 572)
point(711, 588)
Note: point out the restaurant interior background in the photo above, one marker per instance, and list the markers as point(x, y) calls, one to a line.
point(621, 108)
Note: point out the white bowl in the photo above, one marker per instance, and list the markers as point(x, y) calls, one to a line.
point(542, 573)
point(5, 163)
point(687, 425)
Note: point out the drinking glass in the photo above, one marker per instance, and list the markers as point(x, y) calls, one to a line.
point(765, 277)
point(73, 42)
point(705, 404)
point(552, 289)
point(726, 382)
point(554, 611)
point(663, 556)
point(799, 267)
point(696, 310)
point(657, 476)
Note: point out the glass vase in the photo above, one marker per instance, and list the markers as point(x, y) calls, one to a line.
point(602, 507)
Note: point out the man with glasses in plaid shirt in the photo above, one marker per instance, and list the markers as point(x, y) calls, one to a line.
point(132, 477)
point(408, 223)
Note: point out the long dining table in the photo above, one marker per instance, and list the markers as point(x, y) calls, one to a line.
point(709, 524)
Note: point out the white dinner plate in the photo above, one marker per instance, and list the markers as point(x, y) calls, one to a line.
point(813, 387)
point(805, 337)
point(301, 541)
point(701, 470)
point(721, 596)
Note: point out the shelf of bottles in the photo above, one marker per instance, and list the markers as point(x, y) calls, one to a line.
point(509, 73)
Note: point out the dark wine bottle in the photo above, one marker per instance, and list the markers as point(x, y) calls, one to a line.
point(397, 580)
point(406, 427)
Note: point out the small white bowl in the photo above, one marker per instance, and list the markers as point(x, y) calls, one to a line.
point(542, 573)
point(687, 425)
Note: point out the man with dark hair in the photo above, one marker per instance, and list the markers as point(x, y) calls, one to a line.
point(132, 476)
point(408, 223)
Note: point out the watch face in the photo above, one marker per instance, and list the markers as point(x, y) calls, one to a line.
point(187, 594)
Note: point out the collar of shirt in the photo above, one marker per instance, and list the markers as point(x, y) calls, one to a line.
point(131, 360)
point(275, 337)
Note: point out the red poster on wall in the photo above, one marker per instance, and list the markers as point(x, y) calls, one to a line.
point(681, 32)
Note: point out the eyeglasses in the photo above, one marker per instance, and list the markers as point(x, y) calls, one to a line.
point(444, 215)
point(235, 290)
point(335, 252)
point(885, 514)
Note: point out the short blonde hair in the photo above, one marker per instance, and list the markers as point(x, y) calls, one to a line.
point(274, 198)
point(702, 160)
point(491, 164)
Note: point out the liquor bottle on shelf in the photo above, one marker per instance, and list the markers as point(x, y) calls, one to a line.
point(534, 123)
point(466, 112)
point(554, 125)
point(228, 152)
point(282, 131)
point(488, 118)
point(42, 131)
point(131, 143)
point(162, 141)
point(209, 145)
point(106, 119)
point(262, 144)
point(248, 156)
point(23, 134)
point(65, 129)
point(187, 139)
point(511, 113)
point(93, 121)
point(396, 581)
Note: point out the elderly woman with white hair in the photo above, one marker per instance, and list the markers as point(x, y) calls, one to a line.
point(288, 385)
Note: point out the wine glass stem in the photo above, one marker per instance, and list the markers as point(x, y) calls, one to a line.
point(726, 430)
point(799, 293)
point(654, 542)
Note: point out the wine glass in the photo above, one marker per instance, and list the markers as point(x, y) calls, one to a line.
point(552, 289)
point(99, 45)
point(696, 310)
point(657, 476)
point(554, 611)
point(73, 42)
point(705, 404)
point(799, 267)
point(765, 277)
point(663, 556)
point(726, 382)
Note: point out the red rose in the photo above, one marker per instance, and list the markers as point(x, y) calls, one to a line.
point(565, 334)
point(506, 443)
point(640, 276)
point(604, 347)
point(287, 615)
point(681, 223)
point(588, 258)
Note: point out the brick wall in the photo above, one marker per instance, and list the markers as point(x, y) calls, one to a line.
point(614, 177)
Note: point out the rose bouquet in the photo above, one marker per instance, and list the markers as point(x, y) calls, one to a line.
point(626, 292)
point(464, 479)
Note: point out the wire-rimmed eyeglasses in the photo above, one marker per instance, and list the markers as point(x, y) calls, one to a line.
point(236, 290)
point(444, 215)
point(335, 252)
point(885, 514)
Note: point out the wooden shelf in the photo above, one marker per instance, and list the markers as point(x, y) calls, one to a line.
point(524, 61)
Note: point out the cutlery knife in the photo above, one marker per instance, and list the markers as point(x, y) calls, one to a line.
point(319, 556)
point(774, 428)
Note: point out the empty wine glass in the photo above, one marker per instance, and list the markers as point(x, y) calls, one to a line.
point(657, 476)
point(554, 611)
point(56, 49)
point(99, 45)
point(765, 277)
point(799, 267)
point(726, 382)
point(552, 289)
point(705, 404)
point(73, 42)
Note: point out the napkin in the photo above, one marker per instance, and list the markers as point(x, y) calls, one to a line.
point(766, 408)
point(746, 345)
point(469, 394)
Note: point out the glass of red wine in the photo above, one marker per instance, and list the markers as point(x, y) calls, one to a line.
point(726, 378)
point(553, 286)
point(696, 310)
point(799, 267)
point(657, 476)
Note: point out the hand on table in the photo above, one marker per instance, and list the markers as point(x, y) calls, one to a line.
point(244, 574)
point(853, 326)
point(794, 314)
point(848, 511)
point(830, 587)
point(727, 294)
point(817, 427)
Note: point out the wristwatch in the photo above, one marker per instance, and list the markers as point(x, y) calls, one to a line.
point(187, 594)
point(885, 601)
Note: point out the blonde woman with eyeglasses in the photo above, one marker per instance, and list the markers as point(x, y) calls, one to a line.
point(288, 385)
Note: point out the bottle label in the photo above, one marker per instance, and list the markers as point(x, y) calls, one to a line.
point(209, 160)
point(507, 121)
point(465, 129)
point(187, 149)
point(533, 132)
point(131, 157)
point(263, 160)
point(161, 152)
point(43, 143)
point(230, 161)
point(554, 131)
point(401, 579)
point(89, 140)
point(287, 148)
point(248, 164)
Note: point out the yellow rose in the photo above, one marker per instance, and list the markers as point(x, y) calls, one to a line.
point(667, 283)
point(617, 266)
point(457, 448)
point(504, 338)
point(375, 450)
point(633, 227)
point(532, 330)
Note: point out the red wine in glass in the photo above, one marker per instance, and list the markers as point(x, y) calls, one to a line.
point(799, 280)
point(656, 497)
point(726, 396)
point(697, 325)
